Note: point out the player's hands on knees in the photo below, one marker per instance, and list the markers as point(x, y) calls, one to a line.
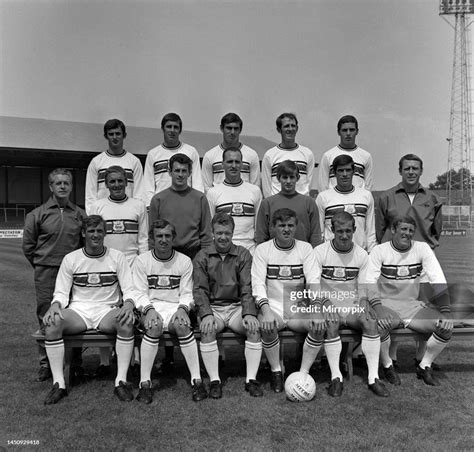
point(208, 325)
point(384, 318)
point(153, 320)
point(125, 315)
point(54, 313)
point(317, 323)
point(251, 324)
point(268, 321)
point(329, 315)
point(445, 325)
point(181, 318)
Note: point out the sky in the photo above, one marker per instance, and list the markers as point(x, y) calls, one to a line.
point(387, 62)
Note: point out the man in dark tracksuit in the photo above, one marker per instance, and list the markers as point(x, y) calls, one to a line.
point(52, 230)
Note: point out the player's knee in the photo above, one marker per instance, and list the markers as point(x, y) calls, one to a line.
point(369, 326)
point(182, 330)
point(253, 337)
point(443, 333)
point(54, 331)
point(319, 335)
point(332, 330)
point(208, 337)
point(269, 337)
point(154, 332)
point(125, 330)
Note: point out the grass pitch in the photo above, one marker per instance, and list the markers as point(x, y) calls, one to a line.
point(415, 417)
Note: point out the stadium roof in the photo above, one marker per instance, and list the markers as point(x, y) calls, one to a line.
point(24, 139)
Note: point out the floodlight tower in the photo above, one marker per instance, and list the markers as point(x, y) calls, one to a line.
point(459, 141)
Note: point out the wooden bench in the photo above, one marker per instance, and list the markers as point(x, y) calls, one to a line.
point(349, 339)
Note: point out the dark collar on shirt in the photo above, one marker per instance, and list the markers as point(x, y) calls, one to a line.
point(399, 187)
point(212, 250)
point(52, 203)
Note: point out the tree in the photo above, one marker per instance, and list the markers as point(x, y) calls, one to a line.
point(463, 174)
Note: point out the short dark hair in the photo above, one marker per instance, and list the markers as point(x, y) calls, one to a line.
point(224, 219)
point(180, 158)
point(57, 172)
point(345, 119)
point(287, 168)
point(92, 221)
point(409, 157)
point(283, 215)
point(403, 219)
point(342, 159)
point(285, 115)
point(161, 223)
point(172, 117)
point(233, 150)
point(115, 169)
point(114, 124)
point(342, 217)
point(231, 117)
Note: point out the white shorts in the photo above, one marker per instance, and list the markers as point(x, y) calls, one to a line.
point(227, 314)
point(92, 313)
point(406, 309)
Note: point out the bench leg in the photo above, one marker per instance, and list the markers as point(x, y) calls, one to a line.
point(346, 359)
point(68, 353)
point(282, 360)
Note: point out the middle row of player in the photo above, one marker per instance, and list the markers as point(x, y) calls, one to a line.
point(191, 211)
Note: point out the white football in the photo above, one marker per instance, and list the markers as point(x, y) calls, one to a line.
point(300, 387)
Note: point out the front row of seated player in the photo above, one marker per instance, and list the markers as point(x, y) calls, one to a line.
point(383, 289)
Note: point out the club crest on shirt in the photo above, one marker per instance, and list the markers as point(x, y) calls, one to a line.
point(403, 270)
point(118, 227)
point(285, 271)
point(237, 208)
point(163, 281)
point(350, 208)
point(339, 272)
point(93, 279)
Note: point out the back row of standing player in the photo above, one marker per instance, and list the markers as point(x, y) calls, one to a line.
point(226, 184)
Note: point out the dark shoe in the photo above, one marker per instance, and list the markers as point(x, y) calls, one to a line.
point(44, 373)
point(253, 388)
point(124, 391)
point(427, 376)
point(378, 388)
point(103, 372)
point(215, 389)
point(335, 388)
point(199, 391)
point(55, 395)
point(434, 366)
point(277, 381)
point(391, 376)
point(145, 393)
